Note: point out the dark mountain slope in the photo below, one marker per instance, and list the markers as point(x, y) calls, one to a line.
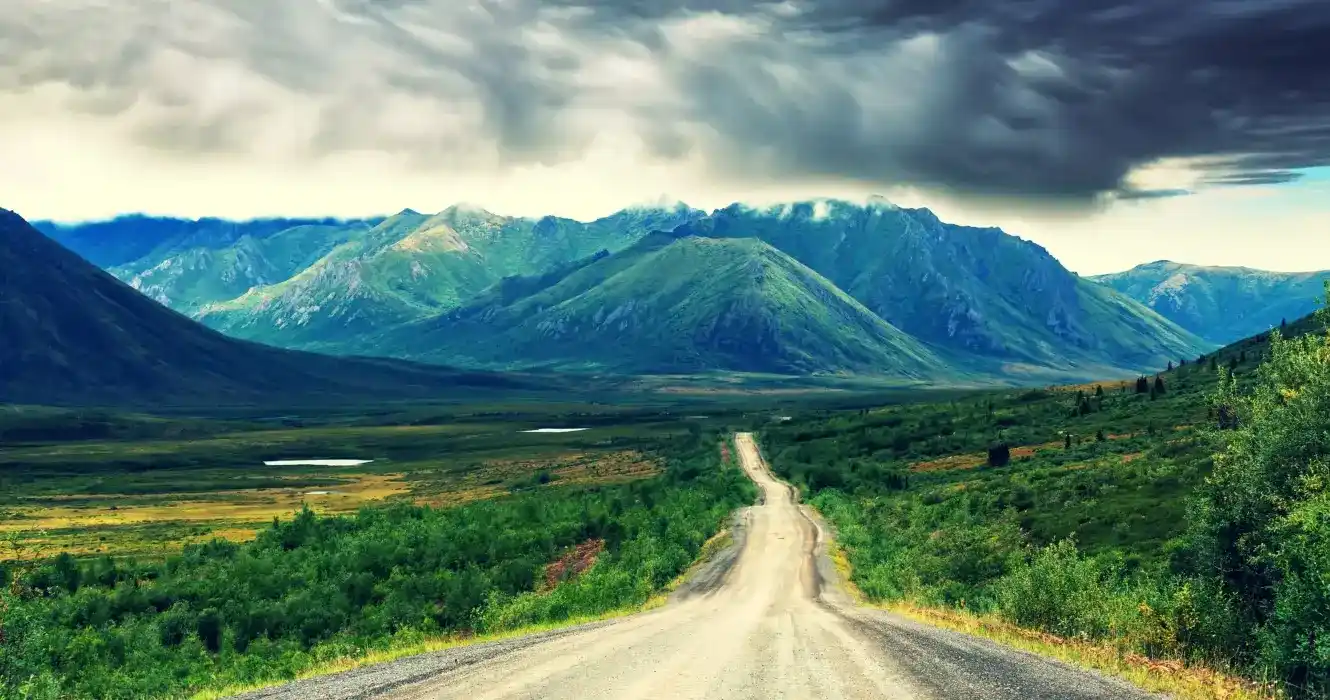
point(70, 333)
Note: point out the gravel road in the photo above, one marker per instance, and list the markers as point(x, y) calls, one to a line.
point(768, 621)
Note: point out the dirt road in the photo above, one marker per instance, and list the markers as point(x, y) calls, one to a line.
point(774, 624)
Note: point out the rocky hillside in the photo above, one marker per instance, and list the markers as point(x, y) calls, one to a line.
point(1220, 304)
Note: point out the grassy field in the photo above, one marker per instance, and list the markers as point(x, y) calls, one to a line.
point(159, 556)
point(153, 492)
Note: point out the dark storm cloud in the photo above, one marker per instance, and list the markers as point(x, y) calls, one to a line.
point(1152, 194)
point(1026, 98)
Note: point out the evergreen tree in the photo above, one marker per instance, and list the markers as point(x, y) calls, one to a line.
point(1283, 323)
point(1099, 390)
point(1170, 366)
point(1213, 364)
point(1066, 443)
point(999, 455)
point(1142, 385)
point(1159, 385)
point(1099, 435)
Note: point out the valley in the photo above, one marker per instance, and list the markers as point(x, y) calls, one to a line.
point(148, 497)
point(1095, 490)
point(191, 531)
point(543, 455)
point(628, 350)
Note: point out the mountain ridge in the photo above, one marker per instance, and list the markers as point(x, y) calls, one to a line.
point(675, 303)
point(413, 265)
point(1221, 303)
point(953, 285)
point(983, 297)
point(76, 334)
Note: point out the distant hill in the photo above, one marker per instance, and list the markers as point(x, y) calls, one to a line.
point(976, 291)
point(672, 303)
point(1220, 304)
point(411, 266)
point(73, 334)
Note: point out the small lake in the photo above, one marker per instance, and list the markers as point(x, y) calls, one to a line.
point(556, 430)
point(317, 462)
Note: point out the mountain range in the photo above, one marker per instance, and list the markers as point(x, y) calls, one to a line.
point(72, 333)
point(677, 303)
point(810, 287)
point(1221, 304)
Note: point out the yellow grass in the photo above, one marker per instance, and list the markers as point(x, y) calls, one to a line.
point(106, 525)
point(609, 468)
point(1174, 678)
point(488, 479)
point(247, 505)
point(974, 460)
point(950, 463)
point(1182, 682)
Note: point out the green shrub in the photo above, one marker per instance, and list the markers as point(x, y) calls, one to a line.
point(1262, 528)
point(319, 588)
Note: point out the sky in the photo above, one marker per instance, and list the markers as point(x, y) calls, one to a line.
point(1112, 132)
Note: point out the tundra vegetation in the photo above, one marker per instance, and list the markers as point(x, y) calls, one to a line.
point(537, 544)
point(1183, 516)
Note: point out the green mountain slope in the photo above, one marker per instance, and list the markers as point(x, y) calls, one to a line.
point(412, 266)
point(1220, 304)
point(672, 304)
point(977, 291)
point(74, 334)
point(990, 302)
point(190, 278)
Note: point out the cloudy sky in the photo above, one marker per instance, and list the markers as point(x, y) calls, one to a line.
point(1111, 131)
